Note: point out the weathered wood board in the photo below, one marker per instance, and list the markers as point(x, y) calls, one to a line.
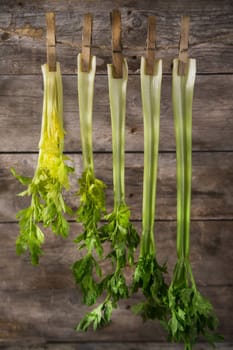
point(39, 306)
point(21, 106)
point(212, 184)
point(59, 254)
point(22, 26)
point(117, 346)
point(52, 315)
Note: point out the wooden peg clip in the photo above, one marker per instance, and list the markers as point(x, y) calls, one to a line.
point(86, 42)
point(51, 41)
point(117, 57)
point(150, 45)
point(183, 45)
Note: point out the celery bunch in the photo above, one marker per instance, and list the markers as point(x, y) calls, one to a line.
point(51, 175)
point(191, 314)
point(91, 193)
point(118, 231)
point(148, 275)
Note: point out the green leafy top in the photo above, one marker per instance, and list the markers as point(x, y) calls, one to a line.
point(149, 278)
point(51, 175)
point(123, 239)
point(191, 315)
point(90, 211)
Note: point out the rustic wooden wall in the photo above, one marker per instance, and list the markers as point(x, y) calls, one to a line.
point(40, 305)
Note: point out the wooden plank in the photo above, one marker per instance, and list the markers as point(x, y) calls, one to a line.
point(40, 316)
point(117, 346)
point(23, 33)
point(211, 256)
point(212, 191)
point(21, 106)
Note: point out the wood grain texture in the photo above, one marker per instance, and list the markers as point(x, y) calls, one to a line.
point(22, 26)
point(21, 106)
point(210, 258)
point(212, 190)
point(117, 346)
point(50, 315)
point(39, 306)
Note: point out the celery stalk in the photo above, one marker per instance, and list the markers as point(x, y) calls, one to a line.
point(117, 96)
point(119, 231)
point(148, 274)
point(182, 97)
point(91, 193)
point(150, 92)
point(51, 174)
point(191, 314)
point(85, 101)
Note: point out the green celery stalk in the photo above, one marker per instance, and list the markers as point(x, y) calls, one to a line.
point(149, 274)
point(91, 192)
point(85, 100)
point(191, 314)
point(119, 231)
point(51, 175)
point(117, 95)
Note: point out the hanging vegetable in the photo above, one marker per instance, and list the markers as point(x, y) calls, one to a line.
point(191, 314)
point(51, 175)
point(91, 192)
point(148, 275)
point(118, 231)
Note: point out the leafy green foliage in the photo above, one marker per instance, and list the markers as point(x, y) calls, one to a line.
point(99, 317)
point(122, 235)
point(191, 315)
point(148, 276)
point(91, 209)
point(123, 239)
point(89, 213)
point(47, 207)
point(84, 271)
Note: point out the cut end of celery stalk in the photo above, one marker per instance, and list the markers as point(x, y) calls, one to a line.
point(124, 70)
point(157, 68)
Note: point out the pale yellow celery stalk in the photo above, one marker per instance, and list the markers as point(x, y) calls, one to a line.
point(51, 175)
point(51, 143)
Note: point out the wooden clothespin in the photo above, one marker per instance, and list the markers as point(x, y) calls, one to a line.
point(183, 45)
point(150, 45)
point(86, 42)
point(51, 41)
point(117, 57)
